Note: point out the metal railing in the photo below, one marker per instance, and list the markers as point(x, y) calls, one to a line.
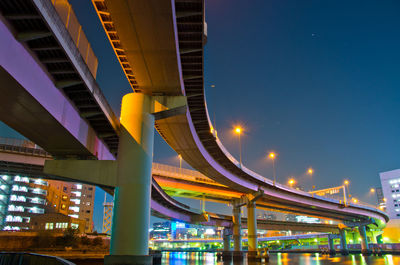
point(23, 146)
point(181, 173)
point(67, 15)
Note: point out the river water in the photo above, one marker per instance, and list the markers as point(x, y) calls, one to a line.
point(196, 258)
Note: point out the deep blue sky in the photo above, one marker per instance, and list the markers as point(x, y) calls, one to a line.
point(316, 81)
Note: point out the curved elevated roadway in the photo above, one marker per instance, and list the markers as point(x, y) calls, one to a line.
point(160, 48)
point(29, 161)
point(50, 96)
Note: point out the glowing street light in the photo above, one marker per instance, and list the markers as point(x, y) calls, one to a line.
point(291, 182)
point(272, 156)
point(180, 163)
point(372, 190)
point(238, 131)
point(355, 200)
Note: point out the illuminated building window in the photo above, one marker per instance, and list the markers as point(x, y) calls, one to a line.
point(16, 198)
point(3, 187)
point(49, 226)
point(37, 200)
point(77, 193)
point(13, 208)
point(74, 208)
point(78, 186)
point(39, 191)
point(76, 201)
point(74, 226)
point(36, 210)
point(61, 225)
point(41, 182)
point(11, 218)
point(4, 177)
point(64, 197)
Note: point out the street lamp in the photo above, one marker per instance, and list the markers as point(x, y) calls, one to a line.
point(180, 163)
point(291, 182)
point(310, 171)
point(372, 190)
point(272, 156)
point(238, 131)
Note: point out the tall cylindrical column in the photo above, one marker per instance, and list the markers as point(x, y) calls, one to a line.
point(364, 240)
point(226, 239)
point(131, 217)
point(331, 245)
point(343, 243)
point(252, 226)
point(237, 229)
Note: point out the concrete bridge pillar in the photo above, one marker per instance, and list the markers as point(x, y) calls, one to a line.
point(237, 233)
point(364, 241)
point(343, 243)
point(131, 217)
point(227, 234)
point(252, 229)
point(237, 229)
point(331, 245)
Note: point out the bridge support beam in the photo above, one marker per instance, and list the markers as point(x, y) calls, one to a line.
point(364, 241)
point(343, 243)
point(252, 229)
point(131, 217)
point(331, 245)
point(237, 233)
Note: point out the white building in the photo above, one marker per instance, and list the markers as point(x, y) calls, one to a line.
point(390, 181)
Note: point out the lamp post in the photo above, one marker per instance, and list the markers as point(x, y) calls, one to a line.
point(180, 164)
point(238, 131)
point(346, 184)
point(272, 156)
point(310, 171)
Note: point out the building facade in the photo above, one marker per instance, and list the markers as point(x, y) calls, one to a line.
point(23, 198)
point(390, 181)
point(73, 199)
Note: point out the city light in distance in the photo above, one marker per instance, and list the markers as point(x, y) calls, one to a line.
point(310, 170)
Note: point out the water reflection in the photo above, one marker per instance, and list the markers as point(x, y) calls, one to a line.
point(207, 258)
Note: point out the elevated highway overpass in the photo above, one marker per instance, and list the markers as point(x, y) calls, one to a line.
point(22, 157)
point(178, 71)
point(51, 89)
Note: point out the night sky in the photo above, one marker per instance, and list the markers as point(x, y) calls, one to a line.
point(315, 81)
